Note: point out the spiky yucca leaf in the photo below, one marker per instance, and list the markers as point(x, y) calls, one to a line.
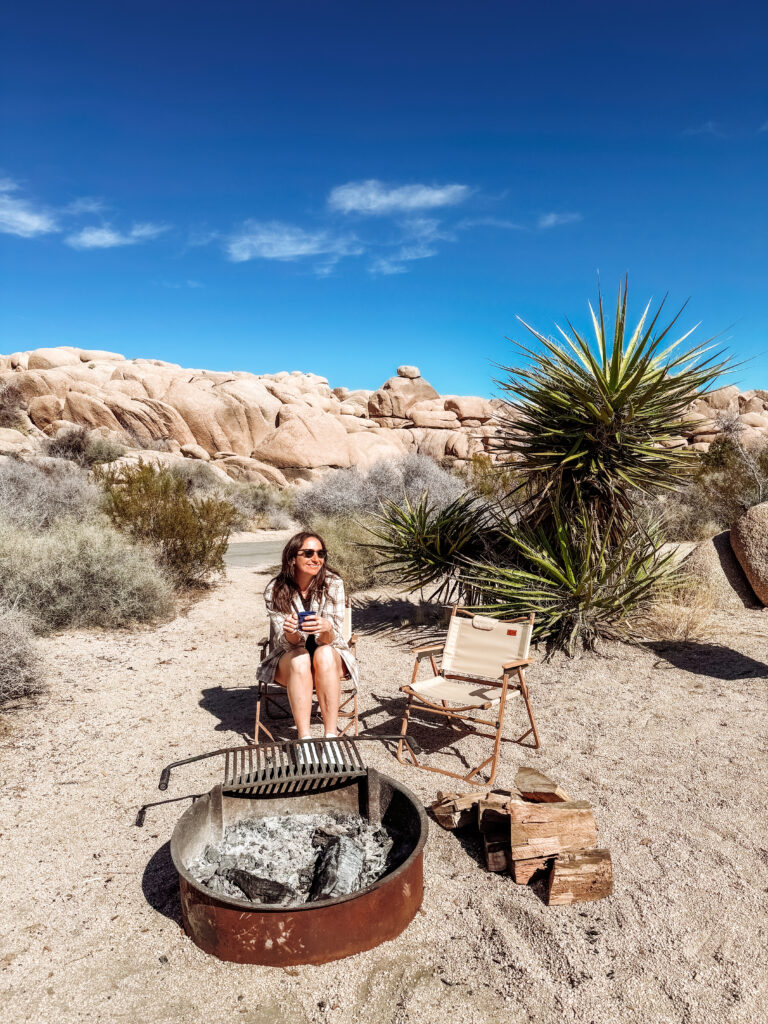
point(581, 585)
point(594, 416)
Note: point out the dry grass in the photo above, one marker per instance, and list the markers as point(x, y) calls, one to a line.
point(685, 612)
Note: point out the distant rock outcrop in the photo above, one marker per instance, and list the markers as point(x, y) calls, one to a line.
point(279, 428)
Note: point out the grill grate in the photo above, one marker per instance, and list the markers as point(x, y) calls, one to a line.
point(300, 766)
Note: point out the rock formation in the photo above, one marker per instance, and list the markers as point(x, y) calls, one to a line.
point(276, 428)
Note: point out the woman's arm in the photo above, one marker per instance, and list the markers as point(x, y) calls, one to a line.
point(332, 624)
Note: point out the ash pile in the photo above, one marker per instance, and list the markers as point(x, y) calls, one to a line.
point(295, 859)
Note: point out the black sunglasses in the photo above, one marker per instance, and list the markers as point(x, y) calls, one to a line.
point(308, 552)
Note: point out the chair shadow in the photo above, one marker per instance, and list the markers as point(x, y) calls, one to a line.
point(404, 623)
point(712, 660)
point(235, 709)
point(160, 884)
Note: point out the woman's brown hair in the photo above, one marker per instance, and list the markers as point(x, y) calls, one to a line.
point(285, 586)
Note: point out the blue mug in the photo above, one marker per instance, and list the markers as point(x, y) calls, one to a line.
point(303, 616)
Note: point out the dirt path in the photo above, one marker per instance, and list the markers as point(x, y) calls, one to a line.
point(668, 744)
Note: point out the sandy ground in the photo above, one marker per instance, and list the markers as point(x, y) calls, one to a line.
point(668, 744)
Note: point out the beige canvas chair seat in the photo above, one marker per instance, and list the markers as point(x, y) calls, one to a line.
point(272, 700)
point(472, 694)
point(482, 659)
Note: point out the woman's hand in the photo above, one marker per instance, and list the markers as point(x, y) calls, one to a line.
point(322, 628)
point(291, 626)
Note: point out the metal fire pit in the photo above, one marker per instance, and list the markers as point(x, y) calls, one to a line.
point(309, 933)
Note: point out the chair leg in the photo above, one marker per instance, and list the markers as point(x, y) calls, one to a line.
point(526, 698)
point(403, 734)
point(259, 725)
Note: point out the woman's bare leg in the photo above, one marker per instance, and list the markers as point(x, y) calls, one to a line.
point(326, 668)
point(294, 672)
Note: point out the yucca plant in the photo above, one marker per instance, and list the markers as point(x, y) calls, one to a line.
point(581, 585)
point(594, 415)
point(583, 430)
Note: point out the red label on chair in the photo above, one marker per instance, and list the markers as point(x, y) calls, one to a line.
point(511, 632)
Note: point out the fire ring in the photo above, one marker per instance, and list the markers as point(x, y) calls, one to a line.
point(310, 933)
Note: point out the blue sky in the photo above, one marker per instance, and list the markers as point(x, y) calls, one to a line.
point(343, 187)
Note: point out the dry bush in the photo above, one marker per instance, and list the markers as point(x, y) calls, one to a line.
point(348, 493)
point(21, 665)
point(258, 506)
point(81, 446)
point(349, 552)
point(684, 612)
point(11, 405)
point(188, 534)
point(80, 574)
point(487, 478)
point(33, 495)
point(732, 478)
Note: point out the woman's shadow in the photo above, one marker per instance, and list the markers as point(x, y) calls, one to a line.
point(234, 708)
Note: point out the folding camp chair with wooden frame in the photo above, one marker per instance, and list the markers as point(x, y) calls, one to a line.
point(272, 700)
point(480, 657)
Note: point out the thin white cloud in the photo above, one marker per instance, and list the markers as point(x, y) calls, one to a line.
point(106, 237)
point(19, 217)
point(708, 128)
point(556, 220)
point(420, 235)
point(490, 222)
point(374, 197)
point(85, 204)
point(274, 240)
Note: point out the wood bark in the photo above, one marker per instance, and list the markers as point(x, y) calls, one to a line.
point(539, 788)
point(579, 877)
point(493, 809)
point(457, 810)
point(545, 830)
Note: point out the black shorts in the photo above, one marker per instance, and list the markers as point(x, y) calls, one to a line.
point(311, 646)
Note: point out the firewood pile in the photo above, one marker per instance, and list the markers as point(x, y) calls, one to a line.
point(537, 833)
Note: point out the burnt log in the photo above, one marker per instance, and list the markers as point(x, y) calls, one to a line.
point(258, 889)
point(338, 869)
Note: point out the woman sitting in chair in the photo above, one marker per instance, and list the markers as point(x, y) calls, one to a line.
point(310, 654)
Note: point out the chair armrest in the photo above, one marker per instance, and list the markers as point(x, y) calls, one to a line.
point(427, 651)
point(517, 663)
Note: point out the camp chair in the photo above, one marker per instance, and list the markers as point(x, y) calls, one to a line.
point(479, 657)
point(272, 700)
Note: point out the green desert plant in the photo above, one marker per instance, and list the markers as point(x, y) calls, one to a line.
point(593, 416)
point(582, 436)
point(151, 504)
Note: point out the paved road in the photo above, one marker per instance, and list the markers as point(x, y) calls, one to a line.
point(260, 554)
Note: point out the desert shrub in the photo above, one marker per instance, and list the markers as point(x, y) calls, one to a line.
point(260, 506)
point(80, 574)
point(349, 551)
point(34, 495)
point(346, 493)
point(488, 479)
point(80, 445)
point(150, 504)
point(732, 478)
point(21, 665)
point(11, 405)
point(682, 612)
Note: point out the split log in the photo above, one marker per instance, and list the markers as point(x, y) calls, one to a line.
point(338, 869)
point(545, 830)
point(524, 870)
point(539, 788)
point(496, 847)
point(457, 810)
point(492, 809)
point(580, 877)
